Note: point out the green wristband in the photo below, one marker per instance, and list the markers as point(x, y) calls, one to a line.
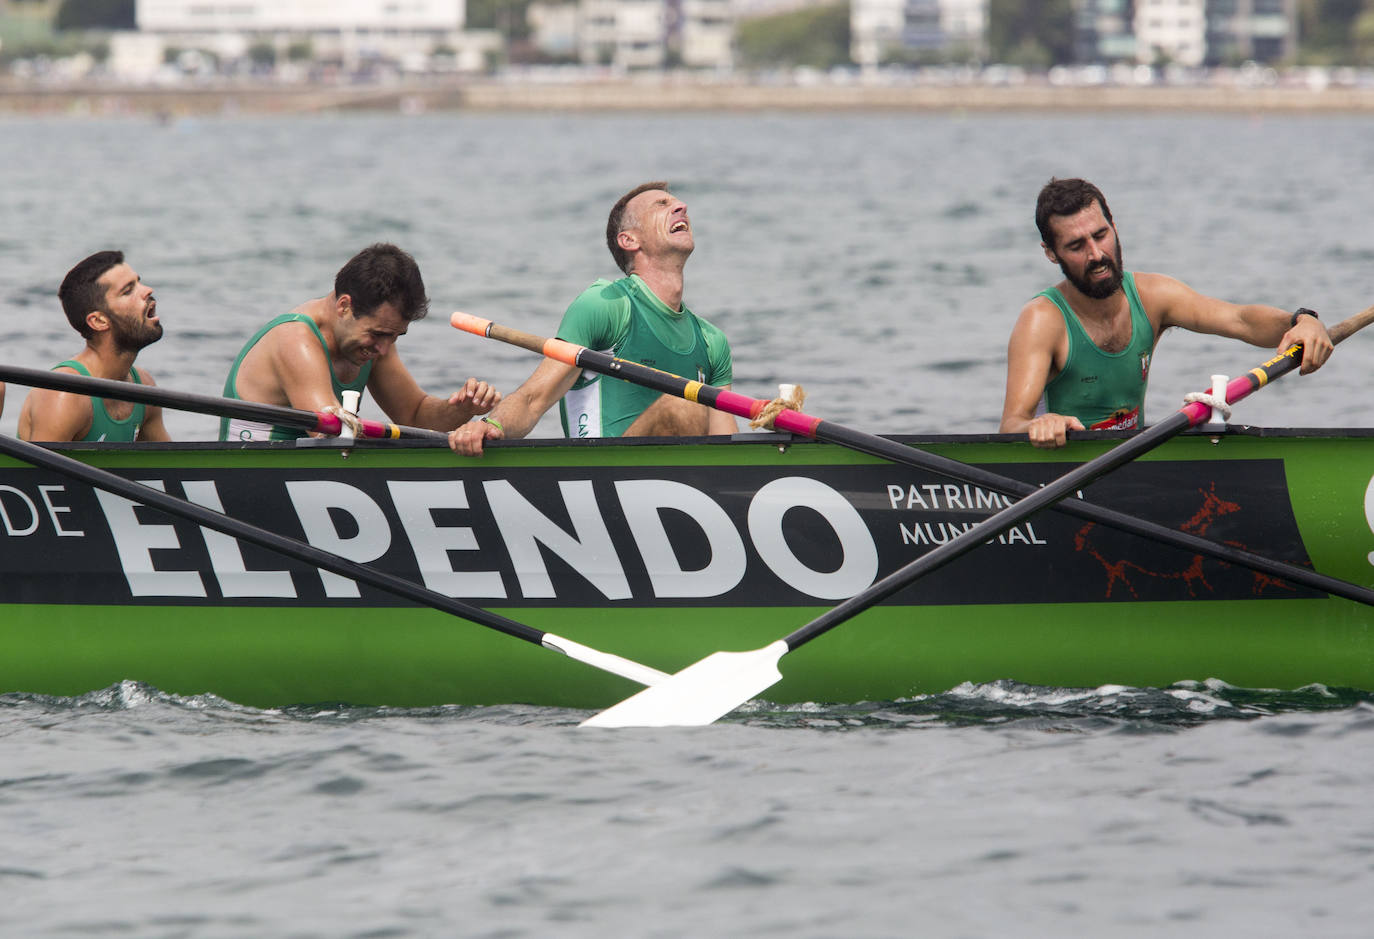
point(496, 424)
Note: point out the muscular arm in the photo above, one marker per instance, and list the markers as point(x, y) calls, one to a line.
point(287, 368)
point(1038, 346)
point(54, 416)
point(519, 411)
point(1171, 302)
point(405, 402)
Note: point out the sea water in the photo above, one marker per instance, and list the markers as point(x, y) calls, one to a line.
point(876, 259)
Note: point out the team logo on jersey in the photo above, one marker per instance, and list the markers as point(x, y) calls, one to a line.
point(1144, 365)
point(1121, 419)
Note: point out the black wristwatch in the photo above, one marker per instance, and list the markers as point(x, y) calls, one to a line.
point(1302, 311)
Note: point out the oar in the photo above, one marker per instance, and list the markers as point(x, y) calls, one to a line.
point(818, 429)
point(315, 422)
point(325, 560)
point(713, 687)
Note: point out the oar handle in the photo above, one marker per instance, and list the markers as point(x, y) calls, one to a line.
point(1244, 385)
point(318, 422)
point(1350, 325)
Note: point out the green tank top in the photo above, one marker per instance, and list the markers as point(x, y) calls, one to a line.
point(659, 337)
point(103, 426)
point(239, 429)
point(1104, 390)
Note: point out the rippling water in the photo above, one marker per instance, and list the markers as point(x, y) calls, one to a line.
point(879, 260)
point(980, 811)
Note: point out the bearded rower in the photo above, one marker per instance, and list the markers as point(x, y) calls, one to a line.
point(1080, 352)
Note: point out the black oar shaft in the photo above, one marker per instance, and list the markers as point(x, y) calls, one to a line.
point(183, 401)
point(988, 528)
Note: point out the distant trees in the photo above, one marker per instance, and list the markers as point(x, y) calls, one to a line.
point(1336, 32)
point(812, 36)
point(1030, 33)
point(95, 14)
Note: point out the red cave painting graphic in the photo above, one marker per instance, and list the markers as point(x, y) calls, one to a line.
point(1122, 571)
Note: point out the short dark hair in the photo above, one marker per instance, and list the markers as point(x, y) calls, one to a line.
point(616, 221)
point(383, 273)
point(1066, 197)
point(81, 292)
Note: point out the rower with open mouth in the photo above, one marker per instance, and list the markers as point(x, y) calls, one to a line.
point(639, 317)
point(116, 313)
point(1080, 352)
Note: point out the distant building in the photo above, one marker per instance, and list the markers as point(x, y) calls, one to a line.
point(1170, 30)
point(629, 34)
point(350, 31)
point(886, 30)
point(1244, 30)
point(708, 34)
point(1103, 31)
point(554, 28)
point(653, 34)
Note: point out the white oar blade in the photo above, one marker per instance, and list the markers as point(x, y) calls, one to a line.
point(701, 693)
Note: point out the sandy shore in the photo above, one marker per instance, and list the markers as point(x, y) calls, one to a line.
point(660, 93)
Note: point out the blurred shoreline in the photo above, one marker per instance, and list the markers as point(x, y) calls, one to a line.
point(658, 92)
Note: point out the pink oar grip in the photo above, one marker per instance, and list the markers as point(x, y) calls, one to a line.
point(732, 402)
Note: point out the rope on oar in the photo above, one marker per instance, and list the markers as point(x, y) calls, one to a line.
point(791, 397)
point(1218, 402)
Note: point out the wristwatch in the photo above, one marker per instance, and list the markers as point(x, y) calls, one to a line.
point(1302, 311)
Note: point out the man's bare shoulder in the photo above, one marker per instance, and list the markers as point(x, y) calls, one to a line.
point(1040, 317)
point(1150, 284)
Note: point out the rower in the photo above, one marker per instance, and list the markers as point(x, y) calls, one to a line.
point(641, 318)
point(116, 313)
point(346, 341)
point(1080, 352)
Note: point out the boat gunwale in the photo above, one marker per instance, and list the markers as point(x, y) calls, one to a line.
point(768, 439)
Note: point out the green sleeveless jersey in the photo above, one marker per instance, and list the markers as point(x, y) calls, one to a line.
point(626, 319)
point(239, 429)
point(103, 426)
point(1104, 390)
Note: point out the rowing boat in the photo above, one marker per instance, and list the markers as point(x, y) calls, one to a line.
point(666, 551)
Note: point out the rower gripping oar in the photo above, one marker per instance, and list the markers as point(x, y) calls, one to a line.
point(716, 685)
point(325, 560)
point(315, 422)
point(817, 429)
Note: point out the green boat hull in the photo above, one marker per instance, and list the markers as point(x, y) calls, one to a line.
point(1065, 604)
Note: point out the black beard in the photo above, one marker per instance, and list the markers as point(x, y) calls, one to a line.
point(133, 338)
point(1098, 290)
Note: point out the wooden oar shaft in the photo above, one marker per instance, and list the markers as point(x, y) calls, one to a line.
point(318, 422)
point(815, 428)
point(325, 560)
